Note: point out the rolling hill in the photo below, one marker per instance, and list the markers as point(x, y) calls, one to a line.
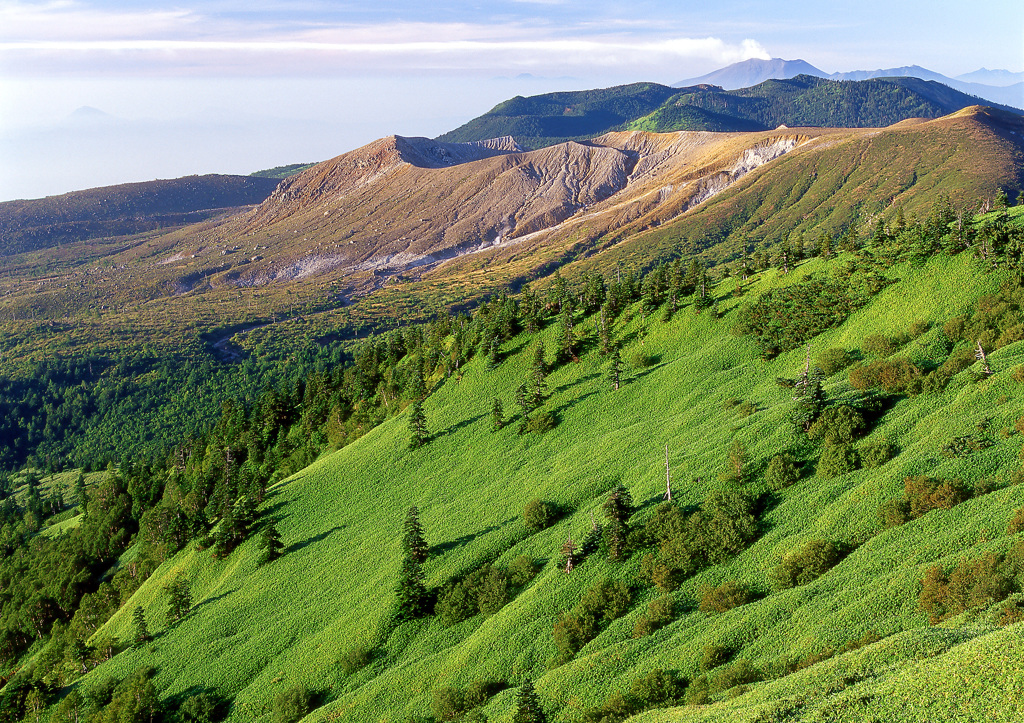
point(803, 100)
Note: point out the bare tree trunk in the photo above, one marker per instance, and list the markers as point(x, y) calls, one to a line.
point(668, 478)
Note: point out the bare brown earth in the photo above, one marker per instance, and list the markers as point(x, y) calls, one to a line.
point(410, 225)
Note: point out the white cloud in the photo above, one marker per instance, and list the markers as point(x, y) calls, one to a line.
point(68, 35)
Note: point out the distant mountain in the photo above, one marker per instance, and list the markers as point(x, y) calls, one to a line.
point(128, 208)
point(543, 120)
point(1000, 78)
point(999, 86)
point(751, 72)
point(805, 100)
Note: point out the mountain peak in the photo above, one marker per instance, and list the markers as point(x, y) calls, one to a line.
point(751, 72)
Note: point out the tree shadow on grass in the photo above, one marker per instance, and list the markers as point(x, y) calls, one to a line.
point(466, 539)
point(572, 403)
point(209, 600)
point(570, 385)
point(296, 546)
point(461, 425)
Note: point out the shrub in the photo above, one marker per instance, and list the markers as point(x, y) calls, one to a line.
point(834, 360)
point(896, 376)
point(292, 704)
point(781, 472)
point(837, 425)
point(806, 564)
point(660, 612)
point(715, 655)
point(835, 460)
point(541, 422)
point(522, 570)
point(1017, 523)
point(537, 515)
point(657, 689)
point(725, 597)
point(640, 359)
point(606, 600)
point(918, 328)
point(955, 328)
point(878, 345)
point(972, 584)
point(876, 453)
point(933, 493)
point(741, 672)
point(894, 513)
point(355, 659)
point(1017, 374)
point(447, 704)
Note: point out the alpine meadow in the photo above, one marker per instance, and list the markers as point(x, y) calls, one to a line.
point(642, 403)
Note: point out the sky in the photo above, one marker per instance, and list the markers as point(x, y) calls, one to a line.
point(96, 92)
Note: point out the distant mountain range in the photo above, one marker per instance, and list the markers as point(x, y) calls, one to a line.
point(802, 101)
point(997, 86)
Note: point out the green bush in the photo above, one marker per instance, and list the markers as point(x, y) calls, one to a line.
point(537, 515)
point(292, 704)
point(541, 422)
point(447, 704)
point(604, 601)
point(782, 472)
point(934, 493)
point(878, 345)
point(640, 359)
point(876, 453)
point(355, 659)
point(834, 360)
point(660, 612)
point(806, 564)
point(972, 584)
point(840, 424)
point(835, 460)
point(522, 570)
point(896, 376)
point(725, 597)
point(714, 655)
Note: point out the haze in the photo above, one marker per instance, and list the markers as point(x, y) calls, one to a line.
point(95, 93)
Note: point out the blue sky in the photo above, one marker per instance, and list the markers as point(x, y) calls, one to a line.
point(232, 86)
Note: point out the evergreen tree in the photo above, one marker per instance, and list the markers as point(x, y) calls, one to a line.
point(141, 633)
point(703, 299)
point(411, 593)
point(417, 426)
point(810, 399)
point(604, 330)
point(538, 375)
point(414, 546)
point(618, 509)
point(493, 354)
point(497, 415)
point(179, 598)
point(270, 543)
point(523, 402)
point(615, 370)
point(566, 334)
point(528, 708)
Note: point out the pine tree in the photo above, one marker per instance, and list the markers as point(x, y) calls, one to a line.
point(618, 509)
point(538, 375)
point(414, 546)
point(570, 554)
point(528, 708)
point(270, 543)
point(180, 598)
point(566, 334)
point(497, 415)
point(141, 633)
point(411, 591)
point(615, 370)
point(418, 434)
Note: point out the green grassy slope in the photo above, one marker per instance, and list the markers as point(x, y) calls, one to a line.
point(255, 631)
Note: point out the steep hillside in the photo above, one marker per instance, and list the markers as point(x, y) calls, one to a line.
point(125, 209)
point(851, 643)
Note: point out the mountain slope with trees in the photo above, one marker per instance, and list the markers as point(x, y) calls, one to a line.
point(838, 512)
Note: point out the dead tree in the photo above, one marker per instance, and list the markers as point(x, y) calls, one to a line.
point(979, 354)
point(668, 478)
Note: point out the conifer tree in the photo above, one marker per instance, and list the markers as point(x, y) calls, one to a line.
point(570, 554)
point(497, 415)
point(411, 591)
point(141, 632)
point(414, 546)
point(418, 434)
point(615, 370)
point(618, 509)
point(538, 375)
point(566, 334)
point(523, 402)
point(179, 598)
point(270, 543)
point(528, 708)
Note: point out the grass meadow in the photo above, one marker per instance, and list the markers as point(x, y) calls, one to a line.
point(255, 631)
